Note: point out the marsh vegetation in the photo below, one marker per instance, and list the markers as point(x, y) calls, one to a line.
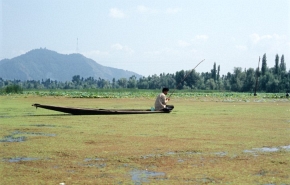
point(209, 138)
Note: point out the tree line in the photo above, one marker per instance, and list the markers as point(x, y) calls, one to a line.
point(269, 79)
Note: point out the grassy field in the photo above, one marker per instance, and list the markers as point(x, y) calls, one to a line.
point(204, 140)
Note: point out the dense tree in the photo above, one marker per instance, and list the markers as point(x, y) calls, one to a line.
point(249, 83)
point(142, 83)
point(192, 79)
point(132, 83)
point(237, 79)
point(264, 64)
point(210, 84)
point(122, 82)
point(76, 79)
point(179, 76)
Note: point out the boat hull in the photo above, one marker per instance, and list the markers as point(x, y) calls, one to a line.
point(90, 111)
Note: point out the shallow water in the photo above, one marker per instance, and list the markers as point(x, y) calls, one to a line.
point(286, 147)
point(139, 176)
point(11, 138)
point(40, 134)
point(268, 149)
point(180, 160)
point(221, 154)
point(18, 159)
point(93, 159)
point(170, 153)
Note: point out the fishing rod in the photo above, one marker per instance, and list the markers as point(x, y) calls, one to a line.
point(185, 77)
point(257, 78)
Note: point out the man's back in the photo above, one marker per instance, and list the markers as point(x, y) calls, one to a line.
point(160, 102)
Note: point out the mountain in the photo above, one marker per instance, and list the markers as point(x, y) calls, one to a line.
point(41, 64)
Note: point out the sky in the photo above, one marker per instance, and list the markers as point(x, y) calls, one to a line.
point(153, 36)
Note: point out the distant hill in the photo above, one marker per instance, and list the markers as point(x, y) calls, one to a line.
point(41, 64)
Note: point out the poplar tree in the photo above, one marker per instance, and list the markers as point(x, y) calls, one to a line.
point(282, 64)
point(213, 72)
point(277, 64)
point(264, 64)
point(218, 73)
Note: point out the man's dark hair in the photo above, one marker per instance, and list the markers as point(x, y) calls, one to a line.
point(165, 89)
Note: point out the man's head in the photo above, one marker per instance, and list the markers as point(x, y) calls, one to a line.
point(165, 90)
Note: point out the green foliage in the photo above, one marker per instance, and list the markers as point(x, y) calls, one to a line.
point(122, 82)
point(214, 72)
point(264, 64)
point(179, 76)
point(13, 89)
point(277, 66)
point(273, 80)
point(282, 64)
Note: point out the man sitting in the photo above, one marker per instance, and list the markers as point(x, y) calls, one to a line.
point(161, 100)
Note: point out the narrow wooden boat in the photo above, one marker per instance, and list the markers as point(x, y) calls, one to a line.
point(91, 111)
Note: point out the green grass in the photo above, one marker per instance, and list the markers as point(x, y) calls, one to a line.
point(203, 141)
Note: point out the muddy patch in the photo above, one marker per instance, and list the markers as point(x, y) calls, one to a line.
point(206, 180)
point(40, 134)
point(48, 125)
point(94, 162)
point(1, 116)
point(142, 176)
point(42, 125)
point(171, 153)
point(261, 173)
point(17, 132)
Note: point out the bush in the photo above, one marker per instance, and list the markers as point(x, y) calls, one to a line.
point(13, 89)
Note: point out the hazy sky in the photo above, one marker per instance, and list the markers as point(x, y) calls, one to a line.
point(153, 36)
